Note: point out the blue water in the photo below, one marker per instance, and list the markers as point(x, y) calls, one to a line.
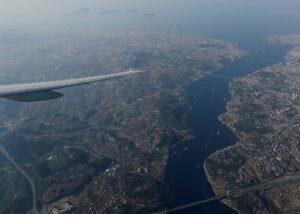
point(207, 97)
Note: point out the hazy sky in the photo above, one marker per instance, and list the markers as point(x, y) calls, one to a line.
point(166, 14)
point(18, 12)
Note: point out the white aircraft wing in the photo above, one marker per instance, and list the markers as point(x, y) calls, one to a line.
point(38, 91)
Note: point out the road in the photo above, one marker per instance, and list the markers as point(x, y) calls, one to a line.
point(30, 181)
point(267, 184)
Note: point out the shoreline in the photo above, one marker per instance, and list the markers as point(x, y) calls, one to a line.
point(212, 185)
point(228, 123)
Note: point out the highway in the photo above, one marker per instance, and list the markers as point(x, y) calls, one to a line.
point(267, 184)
point(30, 181)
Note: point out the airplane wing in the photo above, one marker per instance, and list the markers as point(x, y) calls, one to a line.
point(39, 91)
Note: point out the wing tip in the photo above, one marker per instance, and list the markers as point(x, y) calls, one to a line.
point(138, 70)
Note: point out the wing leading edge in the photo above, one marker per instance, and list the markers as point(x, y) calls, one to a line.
point(39, 91)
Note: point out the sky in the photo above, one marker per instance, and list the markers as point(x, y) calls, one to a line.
point(17, 12)
point(59, 15)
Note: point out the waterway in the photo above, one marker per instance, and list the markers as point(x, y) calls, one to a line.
point(207, 97)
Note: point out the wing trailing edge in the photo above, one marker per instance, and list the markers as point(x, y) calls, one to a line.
point(35, 96)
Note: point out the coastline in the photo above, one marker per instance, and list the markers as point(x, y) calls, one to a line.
point(220, 183)
point(212, 184)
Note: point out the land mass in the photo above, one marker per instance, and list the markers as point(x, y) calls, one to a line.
point(264, 113)
point(102, 148)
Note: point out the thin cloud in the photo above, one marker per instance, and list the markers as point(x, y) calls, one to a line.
point(105, 12)
point(149, 15)
point(132, 10)
point(80, 11)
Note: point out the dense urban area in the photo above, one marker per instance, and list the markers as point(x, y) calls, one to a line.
point(264, 113)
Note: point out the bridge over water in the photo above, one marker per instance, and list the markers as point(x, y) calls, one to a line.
point(266, 184)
